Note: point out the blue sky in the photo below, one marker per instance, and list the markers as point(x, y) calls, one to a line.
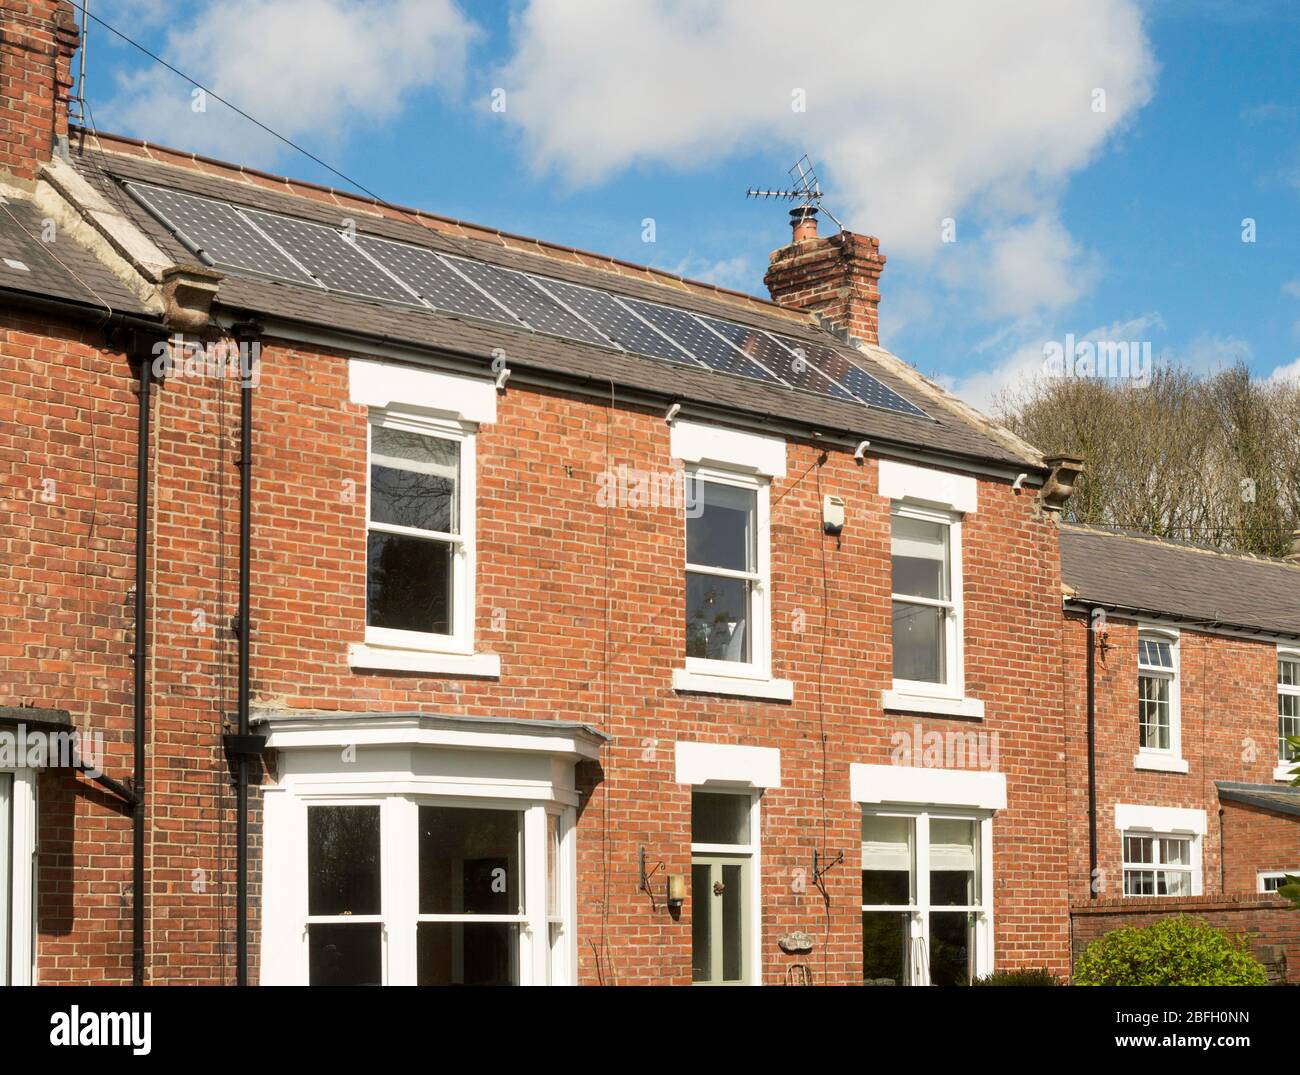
point(1117, 216)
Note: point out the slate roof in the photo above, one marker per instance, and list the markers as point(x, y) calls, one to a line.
point(62, 269)
point(945, 430)
point(1278, 798)
point(1208, 586)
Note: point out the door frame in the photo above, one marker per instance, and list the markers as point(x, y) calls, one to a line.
point(753, 925)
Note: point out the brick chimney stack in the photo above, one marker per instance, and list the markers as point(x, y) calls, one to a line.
point(836, 276)
point(37, 42)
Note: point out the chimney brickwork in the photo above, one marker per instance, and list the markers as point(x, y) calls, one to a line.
point(37, 41)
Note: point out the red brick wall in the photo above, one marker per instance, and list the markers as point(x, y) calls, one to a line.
point(37, 40)
point(549, 560)
point(1256, 840)
point(1229, 732)
point(1269, 921)
point(67, 442)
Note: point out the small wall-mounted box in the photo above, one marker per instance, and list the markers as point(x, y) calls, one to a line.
point(832, 514)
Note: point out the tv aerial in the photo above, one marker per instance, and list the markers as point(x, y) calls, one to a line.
point(805, 189)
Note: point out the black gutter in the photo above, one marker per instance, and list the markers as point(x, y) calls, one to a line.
point(25, 302)
point(1092, 760)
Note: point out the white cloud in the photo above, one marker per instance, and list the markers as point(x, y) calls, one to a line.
point(1292, 288)
point(1289, 372)
point(1027, 362)
point(916, 112)
point(736, 273)
point(314, 69)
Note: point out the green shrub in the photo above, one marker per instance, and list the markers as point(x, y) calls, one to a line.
point(1040, 976)
point(1173, 951)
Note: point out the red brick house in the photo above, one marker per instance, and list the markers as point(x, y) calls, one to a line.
point(1179, 769)
point(455, 607)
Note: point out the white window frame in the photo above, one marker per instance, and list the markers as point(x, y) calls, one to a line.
point(1192, 869)
point(1135, 819)
point(540, 960)
point(752, 678)
point(1282, 771)
point(913, 694)
point(752, 850)
point(17, 875)
point(1152, 758)
point(921, 908)
point(419, 651)
point(1263, 875)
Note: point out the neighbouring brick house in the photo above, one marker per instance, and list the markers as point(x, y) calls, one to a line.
point(599, 625)
point(1196, 685)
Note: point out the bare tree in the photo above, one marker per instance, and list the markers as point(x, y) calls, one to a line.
point(1214, 460)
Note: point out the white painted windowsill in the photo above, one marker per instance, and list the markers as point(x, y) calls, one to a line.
point(1283, 770)
point(900, 701)
point(1160, 763)
point(778, 690)
point(383, 658)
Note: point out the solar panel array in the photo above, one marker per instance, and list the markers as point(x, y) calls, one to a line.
point(338, 260)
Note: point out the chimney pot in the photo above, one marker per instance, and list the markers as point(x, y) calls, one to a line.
point(803, 222)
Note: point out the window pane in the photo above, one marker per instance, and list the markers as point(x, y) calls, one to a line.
point(701, 903)
point(1174, 883)
point(919, 643)
point(1288, 723)
point(343, 860)
point(953, 859)
point(952, 948)
point(1139, 883)
point(1176, 852)
point(887, 844)
point(467, 953)
point(413, 480)
point(886, 937)
point(1272, 884)
point(553, 890)
point(470, 861)
point(1288, 673)
point(733, 904)
point(719, 818)
point(345, 953)
point(1153, 712)
point(920, 558)
point(717, 617)
point(408, 584)
point(1139, 849)
point(722, 534)
point(1154, 653)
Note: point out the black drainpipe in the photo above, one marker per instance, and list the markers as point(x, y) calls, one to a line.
point(241, 746)
point(1092, 761)
point(144, 360)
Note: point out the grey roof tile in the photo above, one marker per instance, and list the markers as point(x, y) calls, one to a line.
point(1190, 582)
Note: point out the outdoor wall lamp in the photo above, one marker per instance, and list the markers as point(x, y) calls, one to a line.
point(676, 891)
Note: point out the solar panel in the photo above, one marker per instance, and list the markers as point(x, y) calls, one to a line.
point(434, 280)
point(217, 230)
point(616, 321)
point(690, 333)
point(863, 386)
point(336, 263)
point(526, 300)
point(306, 253)
point(783, 363)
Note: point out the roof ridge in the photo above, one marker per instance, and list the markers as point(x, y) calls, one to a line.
point(1176, 543)
point(182, 159)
